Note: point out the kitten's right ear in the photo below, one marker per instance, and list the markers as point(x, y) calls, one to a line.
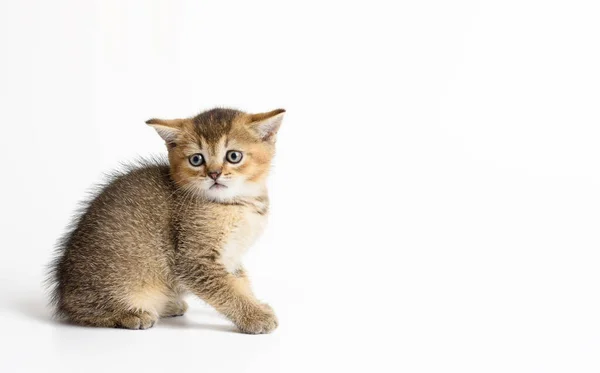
point(168, 129)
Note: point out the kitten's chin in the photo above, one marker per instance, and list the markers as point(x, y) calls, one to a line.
point(219, 194)
point(229, 193)
point(217, 186)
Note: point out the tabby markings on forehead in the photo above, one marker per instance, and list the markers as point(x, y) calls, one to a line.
point(212, 130)
point(192, 148)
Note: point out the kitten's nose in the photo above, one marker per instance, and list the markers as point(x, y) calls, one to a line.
point(214, 174)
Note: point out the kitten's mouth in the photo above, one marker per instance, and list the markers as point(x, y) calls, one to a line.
point(217, 186)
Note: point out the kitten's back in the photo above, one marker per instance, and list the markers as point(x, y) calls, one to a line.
point(122, 237)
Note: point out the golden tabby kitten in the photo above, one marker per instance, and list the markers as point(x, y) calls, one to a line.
point(162, 230)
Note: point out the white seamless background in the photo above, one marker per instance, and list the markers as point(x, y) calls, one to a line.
point(435, 196)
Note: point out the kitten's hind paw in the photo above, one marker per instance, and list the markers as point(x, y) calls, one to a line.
point(175, 308)
point(136, 320)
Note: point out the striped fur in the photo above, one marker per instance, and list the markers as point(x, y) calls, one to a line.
point(162, 229)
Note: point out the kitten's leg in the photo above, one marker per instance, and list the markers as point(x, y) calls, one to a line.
point(244, 281)
point(231, 295)
point(242, 275)
point(175, 307)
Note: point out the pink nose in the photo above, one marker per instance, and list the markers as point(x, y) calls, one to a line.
point(214, 175)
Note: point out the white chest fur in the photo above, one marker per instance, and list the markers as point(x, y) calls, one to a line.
point(245, 233)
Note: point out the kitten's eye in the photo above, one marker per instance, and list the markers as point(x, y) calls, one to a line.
point(233, 156)
point(196, 159)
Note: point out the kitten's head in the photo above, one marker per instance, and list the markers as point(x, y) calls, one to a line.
point(221, 154)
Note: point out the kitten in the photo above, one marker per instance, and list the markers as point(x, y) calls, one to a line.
point(161, 230)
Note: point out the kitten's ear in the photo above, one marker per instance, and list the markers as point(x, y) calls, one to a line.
point(266, 125)
point(168, 129)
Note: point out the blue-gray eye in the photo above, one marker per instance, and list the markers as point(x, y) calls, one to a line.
point(196, 160)
point(233, 156)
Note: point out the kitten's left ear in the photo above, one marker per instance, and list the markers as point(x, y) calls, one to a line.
point(266, 125)
point(168, 129)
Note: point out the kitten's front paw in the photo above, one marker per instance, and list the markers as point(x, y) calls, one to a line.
point(266, 307)
point(259, 321)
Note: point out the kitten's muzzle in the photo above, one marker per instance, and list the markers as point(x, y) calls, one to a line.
point(214, 175)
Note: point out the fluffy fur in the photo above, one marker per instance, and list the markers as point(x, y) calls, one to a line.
point(162, 229)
